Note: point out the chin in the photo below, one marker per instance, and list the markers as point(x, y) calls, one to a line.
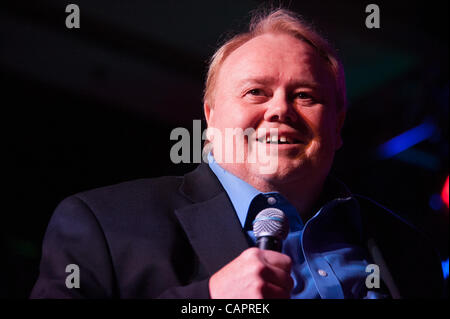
point(280, 171)
point(299, 170)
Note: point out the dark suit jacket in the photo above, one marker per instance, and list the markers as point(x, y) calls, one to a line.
point(165, 237)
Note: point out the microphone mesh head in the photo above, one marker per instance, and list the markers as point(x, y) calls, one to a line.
point(271, 222)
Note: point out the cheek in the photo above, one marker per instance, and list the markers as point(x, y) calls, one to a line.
point(234, 115)
point(323, 128)
point(322, 123)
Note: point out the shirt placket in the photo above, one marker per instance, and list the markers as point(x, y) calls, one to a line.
point(325, 279)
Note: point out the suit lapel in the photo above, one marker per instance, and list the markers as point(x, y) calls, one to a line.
point(383, 249)
point(210, 222)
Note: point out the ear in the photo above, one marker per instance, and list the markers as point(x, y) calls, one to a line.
point(340, 123)
point(209, 112)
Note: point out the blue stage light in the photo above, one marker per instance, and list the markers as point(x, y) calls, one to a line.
point(406, 140)
point(445, 268)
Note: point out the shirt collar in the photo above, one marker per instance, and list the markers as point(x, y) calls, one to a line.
point(240, 193)
point(248, 201)
point(243, 196)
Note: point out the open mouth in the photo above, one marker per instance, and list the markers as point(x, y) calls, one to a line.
point(278, 140)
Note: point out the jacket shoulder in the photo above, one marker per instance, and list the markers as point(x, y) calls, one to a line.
point(139, 187)
point(146, 192)
point(372, 212)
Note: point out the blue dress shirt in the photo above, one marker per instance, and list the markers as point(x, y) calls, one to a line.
point(328, 259)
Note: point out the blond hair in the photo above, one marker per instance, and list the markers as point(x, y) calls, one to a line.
point(278, 21)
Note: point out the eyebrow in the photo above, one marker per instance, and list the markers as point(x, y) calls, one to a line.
point(257, 80)
point(269, 80)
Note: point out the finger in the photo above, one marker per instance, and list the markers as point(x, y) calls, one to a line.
point(278, 277)
point(277, 259)
point(271, 291)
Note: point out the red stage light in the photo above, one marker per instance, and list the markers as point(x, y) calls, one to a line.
point(444, 194)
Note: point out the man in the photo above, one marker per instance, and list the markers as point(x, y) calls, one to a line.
point(190, 237)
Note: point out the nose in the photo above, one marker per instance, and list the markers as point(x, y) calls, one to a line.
point(281, 109)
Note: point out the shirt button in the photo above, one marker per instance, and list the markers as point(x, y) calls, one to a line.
point(271, 201)
point(322, 273)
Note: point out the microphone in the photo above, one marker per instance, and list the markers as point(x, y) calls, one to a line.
point(270, 227)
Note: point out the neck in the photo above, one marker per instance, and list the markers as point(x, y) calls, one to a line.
point(303, 192)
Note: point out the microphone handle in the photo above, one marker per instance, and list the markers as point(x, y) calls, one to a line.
point(269, 243)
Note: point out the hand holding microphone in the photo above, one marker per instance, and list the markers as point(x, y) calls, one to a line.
point(262, 272)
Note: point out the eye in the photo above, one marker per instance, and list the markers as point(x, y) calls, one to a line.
point(303, 96)
point(256, 92)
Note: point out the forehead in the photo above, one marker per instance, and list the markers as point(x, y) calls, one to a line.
point(277, 57)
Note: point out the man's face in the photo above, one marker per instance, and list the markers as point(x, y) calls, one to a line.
point(278, 81)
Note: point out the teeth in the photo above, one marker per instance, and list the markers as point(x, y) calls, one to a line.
point(276, 140)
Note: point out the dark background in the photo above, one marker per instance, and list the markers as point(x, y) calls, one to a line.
point(84, 108)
